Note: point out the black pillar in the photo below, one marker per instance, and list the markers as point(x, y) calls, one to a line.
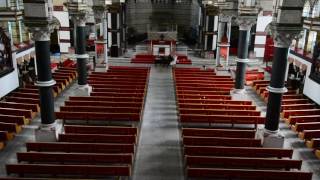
point(276, 88)
point(243, 46)
point(81, 53)
point(124, 24)
point(45, 82)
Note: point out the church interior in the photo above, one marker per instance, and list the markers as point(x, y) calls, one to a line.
point(160, 89)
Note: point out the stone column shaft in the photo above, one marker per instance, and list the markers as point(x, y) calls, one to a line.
point(243, 48)
point(81, 54)
point(220, 34)
point(45, 81)
point(276, 88)
point(105, 38)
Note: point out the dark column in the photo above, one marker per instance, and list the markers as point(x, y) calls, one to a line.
point(243, 46)
point(45, 81)
point(81, 55)
point(306, 41)
point(124, 26)
point(276, 88)
point(203, 26)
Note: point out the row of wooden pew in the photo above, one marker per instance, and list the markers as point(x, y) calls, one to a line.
point(23, 105)
point(98, 149)
point(302, 115)
point(224, 153)
point(204, 97)
point(117, 95)
point(260, 86)
point(81, 152)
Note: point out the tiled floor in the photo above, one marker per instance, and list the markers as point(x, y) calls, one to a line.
point(159, 152)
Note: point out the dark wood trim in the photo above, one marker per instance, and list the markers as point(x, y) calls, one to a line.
point(65, 41)
point(57, 8)
point(64, 29)
point(261, 33)
point(259, 46)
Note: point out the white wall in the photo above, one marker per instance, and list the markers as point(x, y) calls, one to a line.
point(10, 81)
point(311, 88)
point(63, 18)
point(262, 23)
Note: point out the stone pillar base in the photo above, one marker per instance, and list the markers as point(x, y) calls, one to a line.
point(239, 94)
point(48, 132)
point(107, 67)
point(270, 139)
point(83, 90)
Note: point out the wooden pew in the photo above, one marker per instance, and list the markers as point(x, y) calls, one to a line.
point(18, 112)
point(24, 100)
point(116, 82)
point(196, 118)
point(126, 68)
point(3, 136)
point(103, 103)
point(200, 93)
point(313, 143)
point(294, 101)
point(288, 113)
point(214, 85)
point(221, 141)
point(237, 162)
point(116, 94)
point(81, 129)
point(28, 90)
point(246, 174)
point(10, 127)
point(80, 147)
point(293, 96)
point(220, 112)
point(98, 116)
point(216, 106)
point(25, 95)
point(211, 79)
point(122, 86)
point(215, 97)
point(33, 107)
point(19, 120)
point(302, 119)
point(110, 99)
point(298, 106)
point(238, 151)
point(299, 127)
point(212, 101)
point(141, 79)
point(100, 109)
point(98, 138)
point(231, 133)
point(202, 82)
point(195, 88)
point(24, 178)
point(56, 88)
point(118, 90)
point(68, 170)
point(75, 158)
point(309, 134)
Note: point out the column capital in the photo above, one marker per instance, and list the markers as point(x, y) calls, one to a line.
point(80, 18)
point(283, 36)
point(246, 22)
point(42, 33)
point(98, 12)
point(225, 18)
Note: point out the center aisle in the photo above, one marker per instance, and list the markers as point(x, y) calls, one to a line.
point(159, 150)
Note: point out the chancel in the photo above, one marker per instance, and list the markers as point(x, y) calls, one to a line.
point(159, 89)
